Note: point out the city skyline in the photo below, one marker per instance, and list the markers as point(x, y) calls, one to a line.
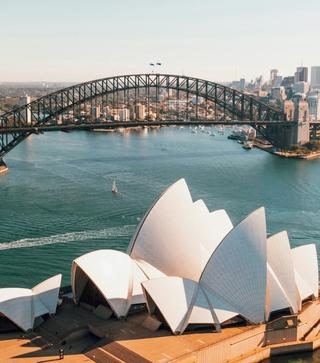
point(75, 42)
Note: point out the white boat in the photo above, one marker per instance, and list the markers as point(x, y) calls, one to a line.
point(114, 187)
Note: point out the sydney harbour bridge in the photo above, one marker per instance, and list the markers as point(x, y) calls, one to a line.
point(167, 99)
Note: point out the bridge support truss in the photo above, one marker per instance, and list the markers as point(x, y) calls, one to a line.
point(238, 105)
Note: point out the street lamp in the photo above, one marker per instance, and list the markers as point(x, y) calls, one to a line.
point(154, 65)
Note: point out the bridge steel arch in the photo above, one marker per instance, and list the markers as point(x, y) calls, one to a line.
point(242, 106)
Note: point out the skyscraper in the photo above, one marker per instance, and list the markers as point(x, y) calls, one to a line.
point(26, 113)
point(314, 106)
point(315, 77)
point(273, 76)
point(301, 74)
point(242, 83)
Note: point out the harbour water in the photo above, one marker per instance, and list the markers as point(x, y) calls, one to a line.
point(56, 201)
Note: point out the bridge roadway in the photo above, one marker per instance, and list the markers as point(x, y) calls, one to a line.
point(128, 124)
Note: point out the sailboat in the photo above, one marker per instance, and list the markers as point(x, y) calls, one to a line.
point(114, 187)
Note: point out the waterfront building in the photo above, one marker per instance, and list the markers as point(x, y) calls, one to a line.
point(95, 112)
point(176, 264)
point(22, 306)
point(140, 112)
point(124, 114)
point(315, 77)
point(301, 74)
point(26, 114)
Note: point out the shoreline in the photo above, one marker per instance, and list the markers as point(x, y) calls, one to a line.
point(287, 155)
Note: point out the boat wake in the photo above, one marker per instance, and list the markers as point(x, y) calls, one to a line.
point(70, 237)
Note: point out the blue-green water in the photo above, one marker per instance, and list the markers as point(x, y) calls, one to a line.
point(56, 201)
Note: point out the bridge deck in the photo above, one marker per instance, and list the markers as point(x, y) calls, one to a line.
point(126, 124)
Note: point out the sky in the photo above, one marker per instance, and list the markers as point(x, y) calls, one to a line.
point(219, 40)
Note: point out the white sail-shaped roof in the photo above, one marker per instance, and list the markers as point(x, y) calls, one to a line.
point(175, 223)
point(16, 305)
point(220, 225)
point(237, 270)
point(183, 302)
point(281, 282)
point(305, 264)
point(22, 306)
point(276, 298)
point(114, 274)
point(173, 296)
point(170, 226)
point(48, 292)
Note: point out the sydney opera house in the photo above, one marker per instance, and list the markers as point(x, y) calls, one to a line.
point(189, 270)
point(192, 267)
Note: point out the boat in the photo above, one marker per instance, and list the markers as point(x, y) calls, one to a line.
point(247, 145)
point(221, 130)
point(114, 188)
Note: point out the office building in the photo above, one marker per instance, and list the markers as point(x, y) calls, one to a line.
point(95, 112)
point(242, 83)
point(301, 87)
point(278, 81)
point(124, 114)
point(26, 113)
point(140, 112)
point(314, 106)
point(278, 93)
point(273, 76)
point(287, 81)
point(315, 77)
point(301, 74)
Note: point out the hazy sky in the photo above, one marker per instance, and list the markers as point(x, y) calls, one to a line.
point(77, 40)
